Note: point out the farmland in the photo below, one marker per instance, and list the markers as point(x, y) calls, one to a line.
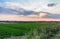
point(43, 29)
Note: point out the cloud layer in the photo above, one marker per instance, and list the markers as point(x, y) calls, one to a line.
point(30, 10)
point(35, 5)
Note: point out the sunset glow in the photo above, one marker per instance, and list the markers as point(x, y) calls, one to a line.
point(30, 10)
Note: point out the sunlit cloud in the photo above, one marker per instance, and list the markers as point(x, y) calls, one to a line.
point(30, 9)
point(7, 17)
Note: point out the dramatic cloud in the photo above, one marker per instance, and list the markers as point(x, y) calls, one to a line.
point(29, 9)
point(20, 11)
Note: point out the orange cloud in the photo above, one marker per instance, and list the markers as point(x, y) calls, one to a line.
point(23, 18)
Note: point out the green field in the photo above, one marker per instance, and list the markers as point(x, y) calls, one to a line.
point(16, 29)
point(42, 29)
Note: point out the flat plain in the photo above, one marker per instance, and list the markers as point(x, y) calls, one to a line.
point(42, 28)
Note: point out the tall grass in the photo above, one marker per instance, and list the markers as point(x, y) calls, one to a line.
point(44, 31)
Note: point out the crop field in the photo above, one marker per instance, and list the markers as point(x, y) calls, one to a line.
point(44, 30)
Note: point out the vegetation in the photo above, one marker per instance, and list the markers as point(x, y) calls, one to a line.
point(15, 29)
point(45, 30)
point(31, 30)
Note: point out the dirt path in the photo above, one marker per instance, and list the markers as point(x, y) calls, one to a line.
point(16, 37)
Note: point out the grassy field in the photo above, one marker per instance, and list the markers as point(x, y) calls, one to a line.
point(44, 30)
point(16, 29)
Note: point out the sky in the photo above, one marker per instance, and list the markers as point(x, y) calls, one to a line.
point(37, 5)
point(31, 8)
